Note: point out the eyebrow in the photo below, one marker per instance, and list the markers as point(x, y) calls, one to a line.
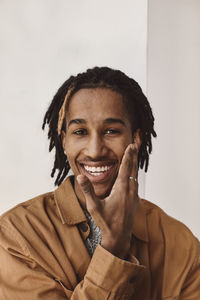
point(108, 120)
point(114, 120)
point(77, 121)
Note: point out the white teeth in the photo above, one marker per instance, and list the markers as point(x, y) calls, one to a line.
point(96, 171)
point(97, 174)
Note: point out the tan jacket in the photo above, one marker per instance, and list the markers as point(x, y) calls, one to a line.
point(43, 255)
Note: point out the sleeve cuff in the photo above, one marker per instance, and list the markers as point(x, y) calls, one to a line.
point(112, 273)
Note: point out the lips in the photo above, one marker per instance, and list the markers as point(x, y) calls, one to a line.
point(97, 173)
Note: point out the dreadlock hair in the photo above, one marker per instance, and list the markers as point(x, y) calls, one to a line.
point(136, 103)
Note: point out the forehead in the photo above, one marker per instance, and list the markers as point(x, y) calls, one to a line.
point(96, 102)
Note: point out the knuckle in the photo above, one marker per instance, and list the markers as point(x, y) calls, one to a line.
point(87, 189)
point(86, 186)
point(131, 193)
point(134, 190)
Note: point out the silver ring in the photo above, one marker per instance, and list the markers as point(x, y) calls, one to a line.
point(132, 178)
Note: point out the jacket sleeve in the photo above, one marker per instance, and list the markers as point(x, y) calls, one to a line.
point(21, 278)
point(108, 277)
point(191, 286)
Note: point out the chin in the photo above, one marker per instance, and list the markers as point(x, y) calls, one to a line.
point(102, 192)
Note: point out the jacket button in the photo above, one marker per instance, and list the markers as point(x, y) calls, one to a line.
point(84, 227)
point(132, 280)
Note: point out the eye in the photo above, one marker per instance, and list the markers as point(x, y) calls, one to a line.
point(112, 131)
point(80, 132)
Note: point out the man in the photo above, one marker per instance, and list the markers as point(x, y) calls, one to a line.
point(94, 238)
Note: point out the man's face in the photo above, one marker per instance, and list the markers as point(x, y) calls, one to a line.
point(97, 133)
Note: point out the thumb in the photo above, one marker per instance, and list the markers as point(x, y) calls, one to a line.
point(88, 192)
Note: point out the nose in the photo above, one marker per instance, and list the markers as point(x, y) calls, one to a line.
point(96, 147)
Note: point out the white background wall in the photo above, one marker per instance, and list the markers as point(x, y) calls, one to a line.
point(173, 180)
point(42, 42)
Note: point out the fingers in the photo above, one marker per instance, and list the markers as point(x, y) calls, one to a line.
point(128, 168)
point(88, 192)
point(134, 169)
point(128, 165)
point(133, 177)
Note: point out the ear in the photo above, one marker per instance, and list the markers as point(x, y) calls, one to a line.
point(137, 138)
point(63, 139)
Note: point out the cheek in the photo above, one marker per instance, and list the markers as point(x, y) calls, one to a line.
point(71, 157)
point(71, 146)
point(120, 149)
point(72, 149)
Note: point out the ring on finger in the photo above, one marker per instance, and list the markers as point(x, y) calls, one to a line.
point(132, 178)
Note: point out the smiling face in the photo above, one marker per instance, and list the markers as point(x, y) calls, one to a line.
point(97, 133)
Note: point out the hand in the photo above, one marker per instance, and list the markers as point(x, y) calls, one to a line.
point(114, 215)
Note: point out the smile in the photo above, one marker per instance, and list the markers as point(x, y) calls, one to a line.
point(97, 171)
